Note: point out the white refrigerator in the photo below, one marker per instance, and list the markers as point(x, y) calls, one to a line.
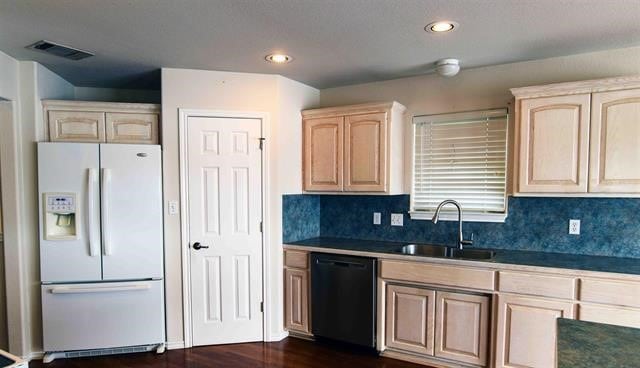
point(101, 248)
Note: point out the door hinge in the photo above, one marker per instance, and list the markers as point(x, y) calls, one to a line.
point(261, 142)
point(261, 226)
point(261, 306)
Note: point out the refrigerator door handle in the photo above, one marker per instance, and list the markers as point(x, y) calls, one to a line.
point(91, 207)
point(98, 289)
point(106, 181)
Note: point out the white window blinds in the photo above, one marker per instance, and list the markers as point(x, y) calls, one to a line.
point(460, 156)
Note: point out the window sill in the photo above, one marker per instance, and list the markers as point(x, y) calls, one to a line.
point(466, 216)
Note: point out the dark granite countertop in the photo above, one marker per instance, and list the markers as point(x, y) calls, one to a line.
point(502, 256)
point(586, 344)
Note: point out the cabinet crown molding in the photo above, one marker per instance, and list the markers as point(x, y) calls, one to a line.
point(571, 88)
point(353, 109)
point(101, 106)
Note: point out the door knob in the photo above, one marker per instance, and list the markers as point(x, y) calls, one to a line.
point(197, 246)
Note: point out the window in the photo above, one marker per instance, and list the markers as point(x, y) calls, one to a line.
point(461, 156)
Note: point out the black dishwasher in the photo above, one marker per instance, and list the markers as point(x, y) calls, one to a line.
point(343, 298)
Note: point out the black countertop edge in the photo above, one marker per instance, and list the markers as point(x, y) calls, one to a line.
point(502, 256)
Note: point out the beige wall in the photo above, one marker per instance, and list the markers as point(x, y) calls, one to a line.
point(282, 99)
point(481, 88)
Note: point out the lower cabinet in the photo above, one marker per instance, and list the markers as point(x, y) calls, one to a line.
point(462, 327)
point(449, 325)
point(526, 330)
point(297, 300)
point(296, 292)
point(410, 319)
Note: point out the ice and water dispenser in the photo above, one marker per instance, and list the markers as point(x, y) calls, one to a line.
point(60, 216)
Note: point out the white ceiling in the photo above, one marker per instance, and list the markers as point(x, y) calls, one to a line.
point(334, 42)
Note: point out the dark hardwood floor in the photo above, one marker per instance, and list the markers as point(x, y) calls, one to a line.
point(286, 354)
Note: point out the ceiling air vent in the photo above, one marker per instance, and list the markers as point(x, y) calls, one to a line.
point(60, 50)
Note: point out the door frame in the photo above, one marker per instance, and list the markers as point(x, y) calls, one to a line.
point(184, 115)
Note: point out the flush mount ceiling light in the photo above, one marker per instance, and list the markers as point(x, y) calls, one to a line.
point(441, 26)
point(278, 58)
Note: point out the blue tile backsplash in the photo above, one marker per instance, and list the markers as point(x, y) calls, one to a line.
point(609, 226)
point(300, 217)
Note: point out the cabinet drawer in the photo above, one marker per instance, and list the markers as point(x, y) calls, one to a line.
point(102, 315)
point(532, 284)
point(610, 292)
point(296, 259)
point(425, 273)
point(611, 315)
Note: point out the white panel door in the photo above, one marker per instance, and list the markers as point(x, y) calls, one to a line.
point(224, 168)
point(71, 168)
point(132, 241)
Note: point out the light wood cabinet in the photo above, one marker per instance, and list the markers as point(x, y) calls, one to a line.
point(410, 319)
point(578, 139)
point(296, 293)
point(365, 152)
point(612, 315)
point(132, 128)
point(101, 122)
point(297, 300)
point(76, 126)
point(615, 142)
point(322, 165)
point(356, 148)
point(554, 144)
point(462, 327)
point(526, 330)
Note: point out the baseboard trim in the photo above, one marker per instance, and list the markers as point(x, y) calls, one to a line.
point(279, 336)
point(172, 345)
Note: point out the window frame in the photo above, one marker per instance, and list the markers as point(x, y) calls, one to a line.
point(473, 216)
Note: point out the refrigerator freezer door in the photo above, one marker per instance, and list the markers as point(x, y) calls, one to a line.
point(71, 168)
point(132, 241)
point(103, 315)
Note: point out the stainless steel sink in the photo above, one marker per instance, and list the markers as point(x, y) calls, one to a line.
point(427, 250)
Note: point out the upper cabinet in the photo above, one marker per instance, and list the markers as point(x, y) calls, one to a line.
point(615, 142)
point(579, 138)
point(356, 148)
point(100, 122)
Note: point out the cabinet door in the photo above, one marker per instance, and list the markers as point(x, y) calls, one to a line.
point(615, 142)
point(554, 147)
point(526, 331)
point(366, 153)
point(132, 128)
point(409, 319)
point(296, 300)
point(462, 322)
point(76, 126)
point(322, 161)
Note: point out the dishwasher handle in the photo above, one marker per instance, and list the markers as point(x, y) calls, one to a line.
point(337, 263)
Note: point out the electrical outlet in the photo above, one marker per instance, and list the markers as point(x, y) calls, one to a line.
point(173, 207)
point(574, 227)
point(377, 218)
point(396, 219)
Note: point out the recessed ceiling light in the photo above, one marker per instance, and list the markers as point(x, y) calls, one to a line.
point(441, 26)
point(278, 58)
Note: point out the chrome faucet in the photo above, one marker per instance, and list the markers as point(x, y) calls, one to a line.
point(461, 241)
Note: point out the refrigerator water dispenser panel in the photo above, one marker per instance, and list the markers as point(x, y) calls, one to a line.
point(60, 216)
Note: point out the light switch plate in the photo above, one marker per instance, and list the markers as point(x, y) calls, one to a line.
point(173, 207)
point(397, 219)
point(377, 218)
point(574, 227)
